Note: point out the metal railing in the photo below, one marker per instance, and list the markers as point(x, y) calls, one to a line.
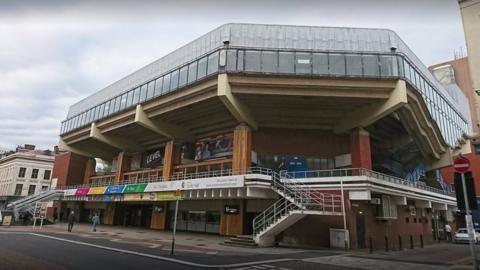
point(368, 173)
point(207, 174)
point(295, 196)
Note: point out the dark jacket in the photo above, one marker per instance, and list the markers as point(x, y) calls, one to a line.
point(71, 218)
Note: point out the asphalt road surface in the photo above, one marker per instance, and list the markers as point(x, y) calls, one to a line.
point(21, 251)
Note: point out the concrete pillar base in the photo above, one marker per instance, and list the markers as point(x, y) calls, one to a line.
point(265, 241)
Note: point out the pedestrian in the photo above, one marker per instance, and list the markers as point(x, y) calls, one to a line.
point(95, 222)
point(448, 232)
point(71, 220)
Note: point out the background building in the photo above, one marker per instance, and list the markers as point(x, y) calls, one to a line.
point(24, 172)
point(243, 120)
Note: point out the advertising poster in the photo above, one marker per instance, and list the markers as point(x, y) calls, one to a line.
point(214, 147)
point(114, 189)
point(136, 188)
point(96, 191)
point(82, 191)
point(153, 158)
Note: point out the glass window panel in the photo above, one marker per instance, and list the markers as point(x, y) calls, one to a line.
point(388, 65)
point(117, 104)
point(337, 64)
point(354, 64)
point(150, 89)
point(192, 72)
point(212, 63)
point(129, 98)
point(143, 93)
point(158, 86)
point(406, 69)
point(231, 60)
point(320, 63)
point(401, 70)
point(303, 63)
point(371, 66)
point(111, 106)
point(174, 80)
point(97, 113)
point(252, 61)
point(136, 95)
point(123, 101)
point(183, 76)
point(102, 110)
point(166, 83)
point(202, 68)
point(269, 62)
point(286, 62)
point(240, 60)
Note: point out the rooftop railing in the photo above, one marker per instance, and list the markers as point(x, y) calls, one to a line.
point(291, 176)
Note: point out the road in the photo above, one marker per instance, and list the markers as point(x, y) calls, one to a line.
point(50, 251)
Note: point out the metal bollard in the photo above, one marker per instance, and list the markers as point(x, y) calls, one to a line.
point(421, 240)
point(411, 241)
point(400, 242)
point(371, 244)
point(386, 243)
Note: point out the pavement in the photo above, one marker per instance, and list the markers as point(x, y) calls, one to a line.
point(52, 247)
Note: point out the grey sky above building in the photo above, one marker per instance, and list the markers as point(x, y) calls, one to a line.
point(55, 53)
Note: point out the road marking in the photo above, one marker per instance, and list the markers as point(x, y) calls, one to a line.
point(162, 257)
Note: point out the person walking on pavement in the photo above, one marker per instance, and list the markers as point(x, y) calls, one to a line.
point(448, 232)
point(71, 220)
point(95, 222)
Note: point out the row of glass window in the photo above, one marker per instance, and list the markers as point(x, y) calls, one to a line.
point(167, 83)
point(451, 123)
point(305, 63)
point(449, 120)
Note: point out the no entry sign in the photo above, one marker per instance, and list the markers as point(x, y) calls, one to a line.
point(461, 165)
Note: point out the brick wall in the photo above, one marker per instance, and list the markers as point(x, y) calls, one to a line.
point(69, 169)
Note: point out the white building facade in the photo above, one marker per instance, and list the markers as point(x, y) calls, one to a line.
point(24, 173)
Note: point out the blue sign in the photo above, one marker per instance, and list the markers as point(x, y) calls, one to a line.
point(117, 189)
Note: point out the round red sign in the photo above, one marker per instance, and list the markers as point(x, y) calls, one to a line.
point(461, 165)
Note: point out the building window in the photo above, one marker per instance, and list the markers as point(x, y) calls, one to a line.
point(34, 173)
point(18, 189)
point(22, 172)
point(46, 175)
point(31, 189)
point(44, 187)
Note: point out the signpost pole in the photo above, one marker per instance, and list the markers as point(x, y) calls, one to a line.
point(469, 223)
point(345, 234)
point(175, 223)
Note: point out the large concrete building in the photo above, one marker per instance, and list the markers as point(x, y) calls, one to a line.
point(24, 172)
point(272, 131)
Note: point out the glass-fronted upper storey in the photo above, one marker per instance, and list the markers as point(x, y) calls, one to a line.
point(281, 50)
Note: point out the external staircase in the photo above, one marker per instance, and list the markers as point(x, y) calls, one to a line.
point(27, 204)
point(296, 201)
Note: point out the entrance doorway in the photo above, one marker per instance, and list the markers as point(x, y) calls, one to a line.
point(137, 215)
point(360, 225)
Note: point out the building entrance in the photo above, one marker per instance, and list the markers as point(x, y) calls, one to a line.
point(196, 221)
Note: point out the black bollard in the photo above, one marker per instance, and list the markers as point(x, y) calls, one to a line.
point(370, 244)
point(421, 240)
point(411, 241)
point(386, 243)
point(400, 242)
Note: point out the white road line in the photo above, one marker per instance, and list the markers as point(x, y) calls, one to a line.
point(161, 257)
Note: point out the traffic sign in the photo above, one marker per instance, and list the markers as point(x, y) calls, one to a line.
point(461, 164)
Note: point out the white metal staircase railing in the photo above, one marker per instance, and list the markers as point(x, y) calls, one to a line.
point(27, 204)
point(295, 196)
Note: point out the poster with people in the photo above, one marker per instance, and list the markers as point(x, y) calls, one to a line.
point(214, 147)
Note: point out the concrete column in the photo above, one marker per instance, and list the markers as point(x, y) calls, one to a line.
point(360, 149)
point(121, 166)
point(171, 157)
point(242, 148)
point(89, 170)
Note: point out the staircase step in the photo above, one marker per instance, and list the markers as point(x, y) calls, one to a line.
point(241, 240)
point(240, 244)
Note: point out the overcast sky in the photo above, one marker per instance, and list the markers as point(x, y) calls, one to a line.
point(54, 54)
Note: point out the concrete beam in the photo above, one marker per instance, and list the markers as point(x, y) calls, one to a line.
point(400, 200)
point(162, 128)
point(423, 204)
point(233, 104)
point(62, 145)
point(365, 116)
point(440, 206)
point(96, 134)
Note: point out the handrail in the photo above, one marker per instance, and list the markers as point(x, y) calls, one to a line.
point(295, 196)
